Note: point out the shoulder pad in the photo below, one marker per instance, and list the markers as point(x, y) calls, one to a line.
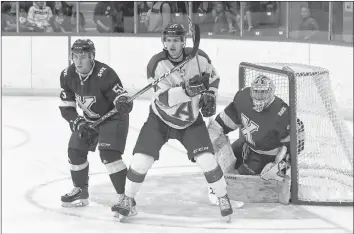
point(154, 61)
point(66, 71)
point(282, 110)
point(158, 57)
point(283, 106)
point(241, 94)
point(203, 54)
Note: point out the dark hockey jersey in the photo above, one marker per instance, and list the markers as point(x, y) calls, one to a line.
point(94, 94)
point(263, 131)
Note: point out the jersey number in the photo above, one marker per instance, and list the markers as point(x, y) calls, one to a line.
point(85, 104)
point(249, 128)
point(118, 89)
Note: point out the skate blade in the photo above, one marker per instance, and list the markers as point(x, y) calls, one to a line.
point(227, 219)
point(78, 203)
point(120, 217)
point(237, 204)
point(123, 218)
point(133, 212)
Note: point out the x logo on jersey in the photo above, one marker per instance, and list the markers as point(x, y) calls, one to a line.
point(85, 104)
point(249, 128)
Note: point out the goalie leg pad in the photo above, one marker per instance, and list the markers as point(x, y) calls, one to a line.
point(223, 153)
point(215, 130)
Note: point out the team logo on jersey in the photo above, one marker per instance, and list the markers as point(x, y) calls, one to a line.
point(249, 127)
point(85, 103)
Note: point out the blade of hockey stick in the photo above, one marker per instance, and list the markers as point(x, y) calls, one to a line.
point(156, 81)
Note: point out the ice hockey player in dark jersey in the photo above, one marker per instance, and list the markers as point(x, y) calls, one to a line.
point(96, 89)
point(264, 121)
point(177, 109)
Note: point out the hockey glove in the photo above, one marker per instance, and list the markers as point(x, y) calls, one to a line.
point(197, 85)
point(123, 107)
point(207, 104)
point(83, 127)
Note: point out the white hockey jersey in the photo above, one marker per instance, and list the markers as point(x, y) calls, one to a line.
point(170, 101)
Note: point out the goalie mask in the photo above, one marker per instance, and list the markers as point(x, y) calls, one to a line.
point(262, 92)
point(174, 30)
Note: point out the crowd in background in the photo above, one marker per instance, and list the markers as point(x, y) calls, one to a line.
point(308, 20)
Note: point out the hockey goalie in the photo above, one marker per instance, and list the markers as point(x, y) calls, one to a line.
point(263, 146)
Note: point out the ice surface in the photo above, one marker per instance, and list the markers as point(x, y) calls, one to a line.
point(35, 174)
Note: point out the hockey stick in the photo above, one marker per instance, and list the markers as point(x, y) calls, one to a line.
point(156, 81)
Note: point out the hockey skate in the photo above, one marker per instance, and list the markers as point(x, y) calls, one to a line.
point(225, 208)
point(125, 207)
point(215, 201)
point(77, 197)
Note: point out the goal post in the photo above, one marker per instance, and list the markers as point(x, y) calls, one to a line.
point(322, 173)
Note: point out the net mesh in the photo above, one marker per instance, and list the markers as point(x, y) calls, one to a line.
point(325, 166)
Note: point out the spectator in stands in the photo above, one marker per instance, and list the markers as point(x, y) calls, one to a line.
point(233, 16)
point(8, 17)
point(143, 20)
point(202, 15)
point(82, 22)
point(39, 16)
point(108, 18)
point(119, 17)
point(219, 18)
point(158, 16)
point(25, 26)
point(61, 17)
point(179, 11)
point(308, 27)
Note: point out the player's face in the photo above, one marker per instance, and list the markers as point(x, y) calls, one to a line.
point(174, 46)
point(82, 62)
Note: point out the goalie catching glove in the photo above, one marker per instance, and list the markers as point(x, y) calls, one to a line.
point(197, 85)
point(207, 104)
point(84, 128)
point(277, 169)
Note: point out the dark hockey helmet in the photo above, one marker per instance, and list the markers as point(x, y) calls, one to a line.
point(174, 30)
point(83, 46)
point(262, 92)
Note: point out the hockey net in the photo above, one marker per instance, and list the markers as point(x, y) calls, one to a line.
point(323, 172)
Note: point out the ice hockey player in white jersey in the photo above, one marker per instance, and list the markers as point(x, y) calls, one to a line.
point(264, 142)
point(179, 104)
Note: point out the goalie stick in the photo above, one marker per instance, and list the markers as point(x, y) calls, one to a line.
point(193, 53)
